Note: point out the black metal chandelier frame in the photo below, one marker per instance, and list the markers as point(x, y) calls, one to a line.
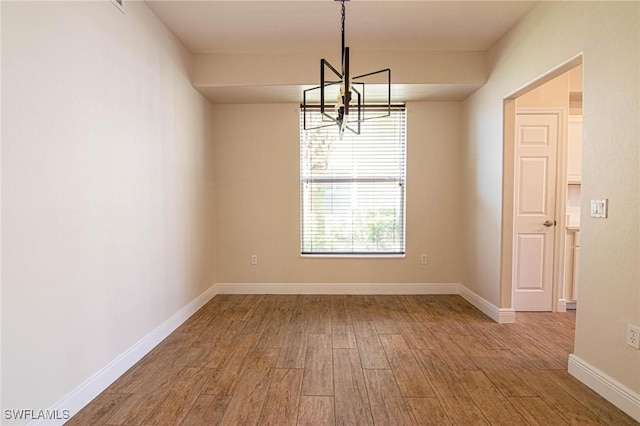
point(341, 113)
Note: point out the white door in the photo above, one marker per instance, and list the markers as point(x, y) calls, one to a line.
point(534, 211)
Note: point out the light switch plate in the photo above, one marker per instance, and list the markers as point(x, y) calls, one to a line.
point(600, 208)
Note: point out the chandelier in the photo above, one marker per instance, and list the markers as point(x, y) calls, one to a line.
point(349, 108)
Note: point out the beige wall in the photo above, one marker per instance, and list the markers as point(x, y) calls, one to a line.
point(552, 94)
point(607, 33)
point(107, 195)
point(257, 178)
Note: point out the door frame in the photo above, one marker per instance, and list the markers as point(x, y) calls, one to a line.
point(508, 158)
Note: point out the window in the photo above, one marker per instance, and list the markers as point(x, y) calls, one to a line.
point(353, 190)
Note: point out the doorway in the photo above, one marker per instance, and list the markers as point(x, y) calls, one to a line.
point(541, 178)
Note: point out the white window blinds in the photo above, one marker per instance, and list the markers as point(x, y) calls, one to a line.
point(353, 190)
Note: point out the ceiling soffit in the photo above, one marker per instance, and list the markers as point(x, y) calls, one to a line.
point(269, 51)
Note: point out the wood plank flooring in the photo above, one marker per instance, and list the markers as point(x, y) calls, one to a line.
point(354, 360)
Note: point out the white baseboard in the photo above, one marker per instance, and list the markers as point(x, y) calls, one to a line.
point(610, 389)
point(615, 392)
point(94, 385)
point(337, 288)
point(561, 306)
point(98, 382)
point(499, 315)
point(566, 305)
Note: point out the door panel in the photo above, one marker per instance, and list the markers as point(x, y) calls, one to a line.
point(535, 186)
point(530, 258)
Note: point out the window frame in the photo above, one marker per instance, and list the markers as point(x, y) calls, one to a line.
point(400, 179)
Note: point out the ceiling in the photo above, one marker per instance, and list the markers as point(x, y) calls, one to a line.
point(266, 26)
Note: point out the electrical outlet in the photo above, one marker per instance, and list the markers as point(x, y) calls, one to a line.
point(254, 259)
point(633, 336)
point(423, 259)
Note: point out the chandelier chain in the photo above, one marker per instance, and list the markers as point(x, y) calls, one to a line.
point(343, 43)
point(343, 16)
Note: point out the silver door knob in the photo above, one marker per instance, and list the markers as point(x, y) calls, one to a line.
point(549, 223)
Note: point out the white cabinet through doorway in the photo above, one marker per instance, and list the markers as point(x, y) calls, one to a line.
point(574, 150)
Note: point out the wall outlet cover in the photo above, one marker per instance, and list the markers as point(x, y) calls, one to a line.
point(633, 336)
point(600, 208)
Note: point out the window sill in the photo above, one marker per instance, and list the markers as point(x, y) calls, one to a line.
point(354, 256)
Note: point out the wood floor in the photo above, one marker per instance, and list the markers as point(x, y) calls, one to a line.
point(352, 360)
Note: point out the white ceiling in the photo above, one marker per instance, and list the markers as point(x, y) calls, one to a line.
point(242, 26)
point(268, 27)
